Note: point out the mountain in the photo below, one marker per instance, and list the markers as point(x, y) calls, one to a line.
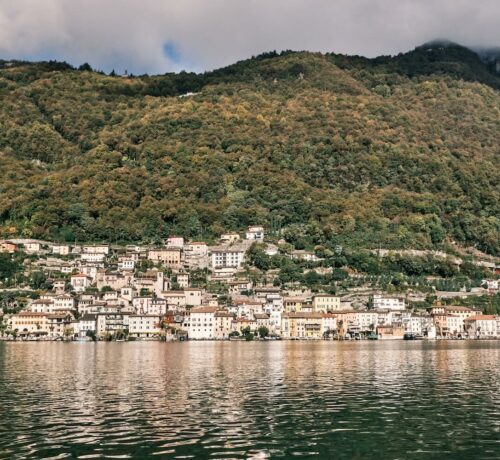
point(398, 152)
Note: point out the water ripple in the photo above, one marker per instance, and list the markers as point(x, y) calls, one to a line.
point(250, 400)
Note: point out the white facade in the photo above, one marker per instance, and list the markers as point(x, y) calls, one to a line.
point(381, 302)
point(144, 325)
point(64, 302)
point(227, 258)
point(93, 257)
point(482, 326)
point(80, 282)
point(201, 324)
point(175, 242)
point(96, 249)
point(255, 233)
point(126, 263)
point(62, 249)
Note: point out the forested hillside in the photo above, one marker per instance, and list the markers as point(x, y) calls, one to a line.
point(395, 152)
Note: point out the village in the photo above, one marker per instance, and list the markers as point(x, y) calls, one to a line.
point(109, 292)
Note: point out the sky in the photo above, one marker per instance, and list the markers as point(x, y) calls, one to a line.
point(158, 36)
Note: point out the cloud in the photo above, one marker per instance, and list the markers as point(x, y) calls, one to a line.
point(157, 36)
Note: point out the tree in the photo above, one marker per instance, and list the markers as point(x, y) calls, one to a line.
point(85, 67)
point(92, 335)
point(263, 332)
point(38, 280)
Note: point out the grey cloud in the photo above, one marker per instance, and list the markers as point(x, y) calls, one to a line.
point(131, 34)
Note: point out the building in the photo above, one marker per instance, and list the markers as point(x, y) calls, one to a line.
point(32, 247)
point(59, 324)
point(87, 323)
point(492, 285)
point(8, 246)
point(482, 326)
point(42, 306)
point(111, 323)
point(175, 242)
point(223, 324)
point(229, 238)
point(308, 256)
point(200, 323)
point(175, 299)
point(262, 320)
point(64, 303)
point(144, 326)
point(196, 255)
point(255, 232)
point(93, 257)
point(96, 249)
point(61, 249)
point(324, 303)
point(227, 257)
point(301, 325)
point(150, 306)
point(126, 263)
point(294, 304)
point(381, 302)
point(28, 322)
point(390, 332)
point(80, 282)
point(193, 297)
point(183, 280)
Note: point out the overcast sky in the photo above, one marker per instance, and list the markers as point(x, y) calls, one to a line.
point(157, 36)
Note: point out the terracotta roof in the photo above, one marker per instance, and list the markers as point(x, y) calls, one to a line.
point(28, 313)
point(456, 308)
point(305, 315)
point(204, 310)
point(480, 318)
point(223, 314)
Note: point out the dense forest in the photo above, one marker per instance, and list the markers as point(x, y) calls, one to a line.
point(397, 152)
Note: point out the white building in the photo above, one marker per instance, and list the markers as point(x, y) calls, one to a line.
point(201, 324)
point(227, 257)
point(94, 257)
point(255, 232)
point(381, 302)
point(175, 242)
point(32, 247)
point(62, 249)
point(96, 249)
point(80, 282)
point(193, 297)
point(64, 303)
point(482, 326)
point(223, 324)
point(126, 263)
point(183, 280)
point(229, 237)
point(42, 306)
point(144, 325)
point(421, 325)
point(87, 323)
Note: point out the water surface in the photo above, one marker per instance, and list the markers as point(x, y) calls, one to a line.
point(220, 400)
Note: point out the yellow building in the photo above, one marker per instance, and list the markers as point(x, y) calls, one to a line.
point(325, 302)
point(302, 325)
point(28, 322)
point(293, 304)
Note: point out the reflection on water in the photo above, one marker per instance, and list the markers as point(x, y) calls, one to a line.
point(250, 400)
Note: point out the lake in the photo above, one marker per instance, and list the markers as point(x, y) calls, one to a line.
point(221, 400)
